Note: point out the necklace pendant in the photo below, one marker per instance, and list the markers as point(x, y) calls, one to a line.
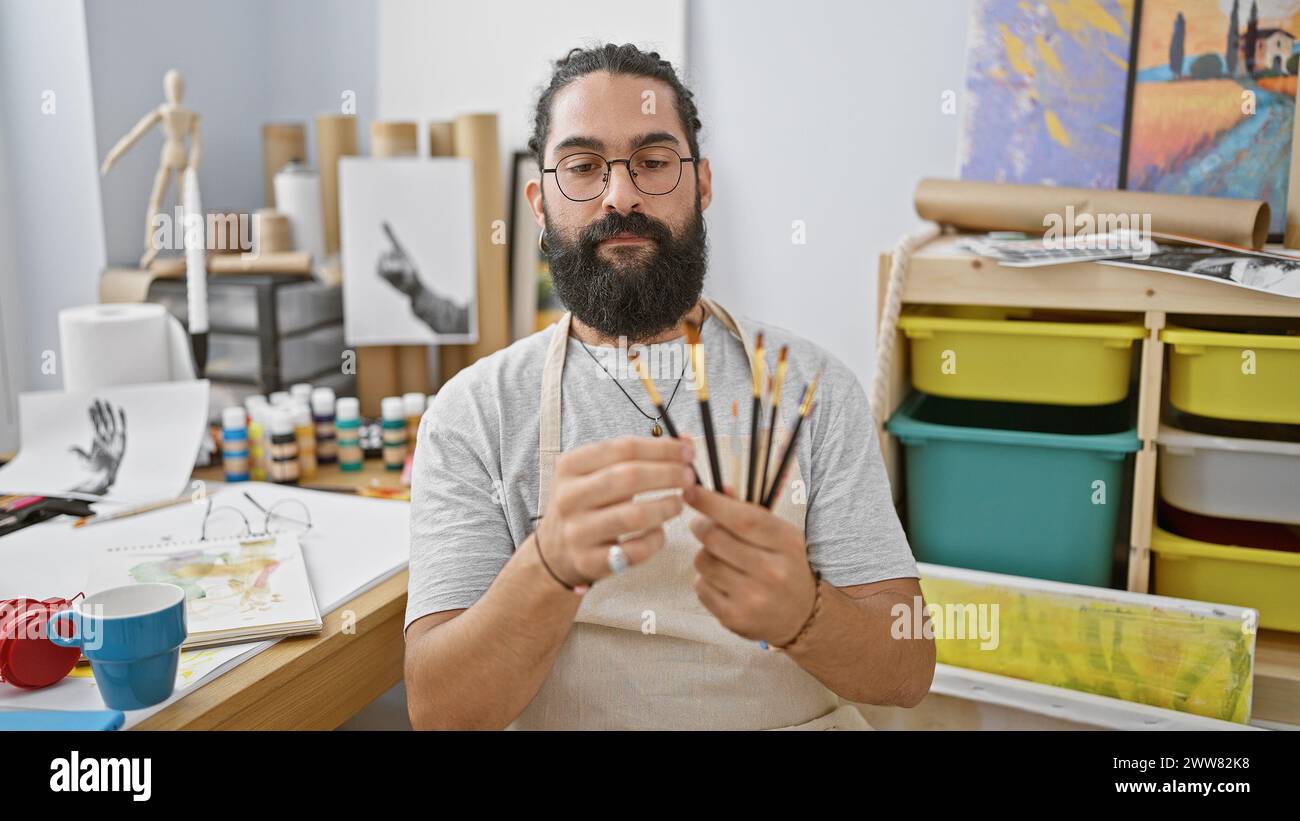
point(656, 430)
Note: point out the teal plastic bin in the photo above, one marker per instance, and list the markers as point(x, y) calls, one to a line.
point(1029, 490)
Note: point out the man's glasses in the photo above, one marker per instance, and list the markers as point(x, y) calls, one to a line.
point(655, 170)
point(226, 522)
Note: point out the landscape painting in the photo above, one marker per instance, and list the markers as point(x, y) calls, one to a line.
point(1046, 87)
point(1214, 100)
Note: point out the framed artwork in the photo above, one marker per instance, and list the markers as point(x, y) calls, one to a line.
point(1046, 88)
point(533, 305)
point(406, 229)
point(1213, 102)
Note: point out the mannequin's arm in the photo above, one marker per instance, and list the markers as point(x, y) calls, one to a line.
point(132, 137)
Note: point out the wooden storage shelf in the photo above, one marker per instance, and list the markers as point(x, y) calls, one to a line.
point(942, 274)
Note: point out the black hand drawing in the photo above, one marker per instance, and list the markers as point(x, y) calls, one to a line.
point(395, 265)
point(438, 312)
point(107, 447)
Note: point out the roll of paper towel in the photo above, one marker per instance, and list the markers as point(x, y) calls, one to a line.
point(121, 344)
point(297, 196)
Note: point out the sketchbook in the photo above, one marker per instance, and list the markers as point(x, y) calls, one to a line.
point(236, 590)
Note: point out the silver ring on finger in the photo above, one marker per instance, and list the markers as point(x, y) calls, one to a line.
point(617, 560)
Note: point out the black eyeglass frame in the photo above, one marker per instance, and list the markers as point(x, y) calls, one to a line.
point(609, 172)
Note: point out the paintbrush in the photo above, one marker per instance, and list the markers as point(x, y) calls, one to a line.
point(774, 391)
point(757, 411)
point(735, 443)
point(657, 401)
point(805, 407)
point(702, 393)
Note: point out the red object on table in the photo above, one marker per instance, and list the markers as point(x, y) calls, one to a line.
point(28, 659)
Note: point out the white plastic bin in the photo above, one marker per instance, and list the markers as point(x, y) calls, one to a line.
point(1230, 477)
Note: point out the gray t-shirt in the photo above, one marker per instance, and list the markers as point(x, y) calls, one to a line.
point(474, 483)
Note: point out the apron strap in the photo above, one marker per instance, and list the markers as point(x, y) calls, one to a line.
point(549, 418)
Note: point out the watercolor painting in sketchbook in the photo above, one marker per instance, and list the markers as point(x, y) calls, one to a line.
point(1046, 86)
point(1214, 99)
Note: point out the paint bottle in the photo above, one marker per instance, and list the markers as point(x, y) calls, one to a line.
point(305, 432)
point(234, 444)
point(394, 429)
point(283, 467)
point(347, 428)
point(256, 406)
point(301, 392)
point(278, 398)
point(413, 405)
point(322, 411)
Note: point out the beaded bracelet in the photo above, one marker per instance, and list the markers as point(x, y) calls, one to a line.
point(812, 614)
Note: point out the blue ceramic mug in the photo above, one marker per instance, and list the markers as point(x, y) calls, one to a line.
point(132, 636)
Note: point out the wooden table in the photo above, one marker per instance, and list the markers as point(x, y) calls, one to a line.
point(308, 682)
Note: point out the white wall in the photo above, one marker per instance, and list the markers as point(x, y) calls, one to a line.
point(441, 59)
point(245, 63)
point(826, 112)
point(11, 294)
point(777, 85)
point(53, 219)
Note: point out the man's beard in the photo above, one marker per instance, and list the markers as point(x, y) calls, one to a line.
point(639, 298)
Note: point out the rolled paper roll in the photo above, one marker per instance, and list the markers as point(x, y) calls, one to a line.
point(991, 206)
point(282, 143)
point(336, 136)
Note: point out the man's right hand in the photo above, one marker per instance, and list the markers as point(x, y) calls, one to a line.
point(591, 503)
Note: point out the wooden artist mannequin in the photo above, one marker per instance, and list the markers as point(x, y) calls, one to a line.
point(177, 123)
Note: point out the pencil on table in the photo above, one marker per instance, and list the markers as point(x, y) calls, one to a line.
point(774, 389)
point(805, 407)
point(757, 374)
point(702, 392)
point(657, 401)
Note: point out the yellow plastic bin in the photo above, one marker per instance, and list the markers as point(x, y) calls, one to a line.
point(1267, 580)
point(1249, 377)
point(1009, 356)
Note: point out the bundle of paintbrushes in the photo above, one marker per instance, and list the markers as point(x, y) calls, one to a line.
point(756, 488)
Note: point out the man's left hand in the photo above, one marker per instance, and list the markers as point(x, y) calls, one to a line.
point(753, 572)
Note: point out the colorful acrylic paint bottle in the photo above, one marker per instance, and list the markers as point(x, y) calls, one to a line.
point(347, 427)
point(283, 466)
point(413, 405)
point(301, 393)
point(256, 406)
point(305, 432)
point(234, 444)
point(394, 427)
point(322, 411)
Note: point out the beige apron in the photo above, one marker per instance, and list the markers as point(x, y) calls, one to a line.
point(643, 653)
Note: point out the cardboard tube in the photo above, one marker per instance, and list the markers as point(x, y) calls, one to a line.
point(442, 140)
point(989, 206)
point(282, 143)
point(377, 376)
point(271, 234)
point(391, 370)
point(336, 136)
point(394, 139)
point(475, 136)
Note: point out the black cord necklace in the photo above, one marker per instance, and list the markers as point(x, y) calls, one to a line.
point(656, 430)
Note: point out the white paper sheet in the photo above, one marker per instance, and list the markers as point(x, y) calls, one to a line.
point(124, 443)
point(231, 585)
point(421, 212)
point(354, 544)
